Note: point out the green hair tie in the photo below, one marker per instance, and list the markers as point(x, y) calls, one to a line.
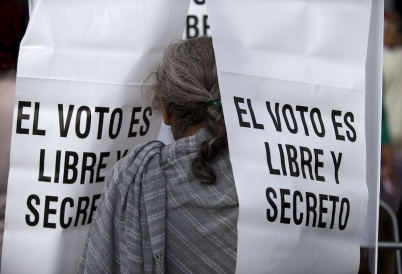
point(217, 104)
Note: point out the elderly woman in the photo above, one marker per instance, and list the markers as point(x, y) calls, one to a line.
point(172, 208)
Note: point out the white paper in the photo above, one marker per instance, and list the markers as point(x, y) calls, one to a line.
point(197, 23)
point(89, 57)
point(373, 129)
point(308, 57)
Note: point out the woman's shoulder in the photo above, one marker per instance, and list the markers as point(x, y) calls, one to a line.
point(182, 148)
point(129, 165)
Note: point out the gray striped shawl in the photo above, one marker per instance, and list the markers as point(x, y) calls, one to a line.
point(154, 211)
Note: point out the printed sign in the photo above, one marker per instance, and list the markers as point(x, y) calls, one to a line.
point(292, 80)
point(197, 20)
point(78, 109)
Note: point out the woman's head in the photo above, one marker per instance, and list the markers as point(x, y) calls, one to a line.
point(392, 29)
point(185, 84)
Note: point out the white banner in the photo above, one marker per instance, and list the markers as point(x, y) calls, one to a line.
point(78, 109)
point(373, 129)
point(197, 20)
point(292, 80)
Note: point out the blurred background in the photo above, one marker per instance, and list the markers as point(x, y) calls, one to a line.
point(14, 17)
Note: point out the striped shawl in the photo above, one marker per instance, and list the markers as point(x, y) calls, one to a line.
point(155, 216)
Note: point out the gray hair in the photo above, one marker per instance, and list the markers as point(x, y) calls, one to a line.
point(186, 82)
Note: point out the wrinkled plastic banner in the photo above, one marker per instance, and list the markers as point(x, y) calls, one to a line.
point(197, 20)
point(373, 129)
point(292, 76)
point(78, 109)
